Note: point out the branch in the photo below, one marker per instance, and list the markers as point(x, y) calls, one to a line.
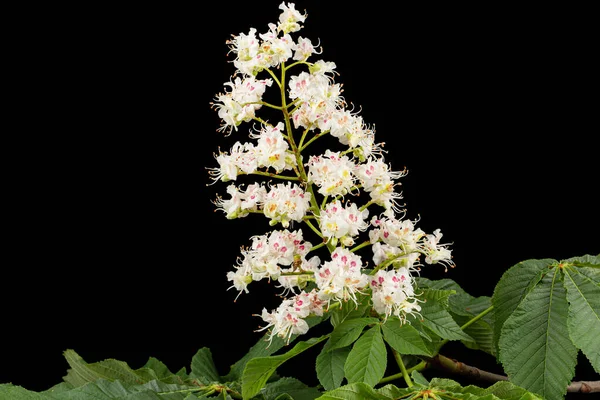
point(460, 368)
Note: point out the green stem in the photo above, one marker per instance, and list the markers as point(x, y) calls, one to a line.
point(360, 246)
point(314, 228)
point(403, 370)
point(271, 175)
point(472, 321)
point(297, 273)
point(317, 135)
point(419, 367)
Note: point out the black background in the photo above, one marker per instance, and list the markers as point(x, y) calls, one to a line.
point(112, 245)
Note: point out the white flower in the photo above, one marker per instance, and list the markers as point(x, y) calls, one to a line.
point(377, 179)
point(338, 221)
point(240, 159)
point(290, 18)
point(241, 203)
point(275, 49)
point(290, 282)
point(272, 150)
point(267, 255)
point(341, 278)
point(303, 49)
point(436, 252)
point(240, 277)
point(396, 233)
point(286, 202)
point(332, 173)
point(246, 48)
point(239, 103)
point(393, 293)
point(288, 318)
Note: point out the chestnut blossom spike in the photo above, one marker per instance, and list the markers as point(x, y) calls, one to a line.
point(320, 188)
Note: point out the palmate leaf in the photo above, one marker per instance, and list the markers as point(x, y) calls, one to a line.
point(583, 295)
point(534, 346)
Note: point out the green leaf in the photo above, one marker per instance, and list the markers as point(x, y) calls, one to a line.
point(203, 367)
point(348, 331)
point(441, 388)
point(404, 338)
point(507, 391)
point(535, 349)
point(354, 391)
point(367, 360)
point(418, 378)
point(12, 392)
point(437, 318)
point(501, 390)
point(512, 287)
point(258, 370)
point(291, 387)
point(463, 307)
point(350, 311)
point(330, 366)
point(584, 261)
point(482, 333)
point(82, 372)
point(156, 369)
point(264, 347)
point(440, 284)
point(583, 295)
point(103, 389)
